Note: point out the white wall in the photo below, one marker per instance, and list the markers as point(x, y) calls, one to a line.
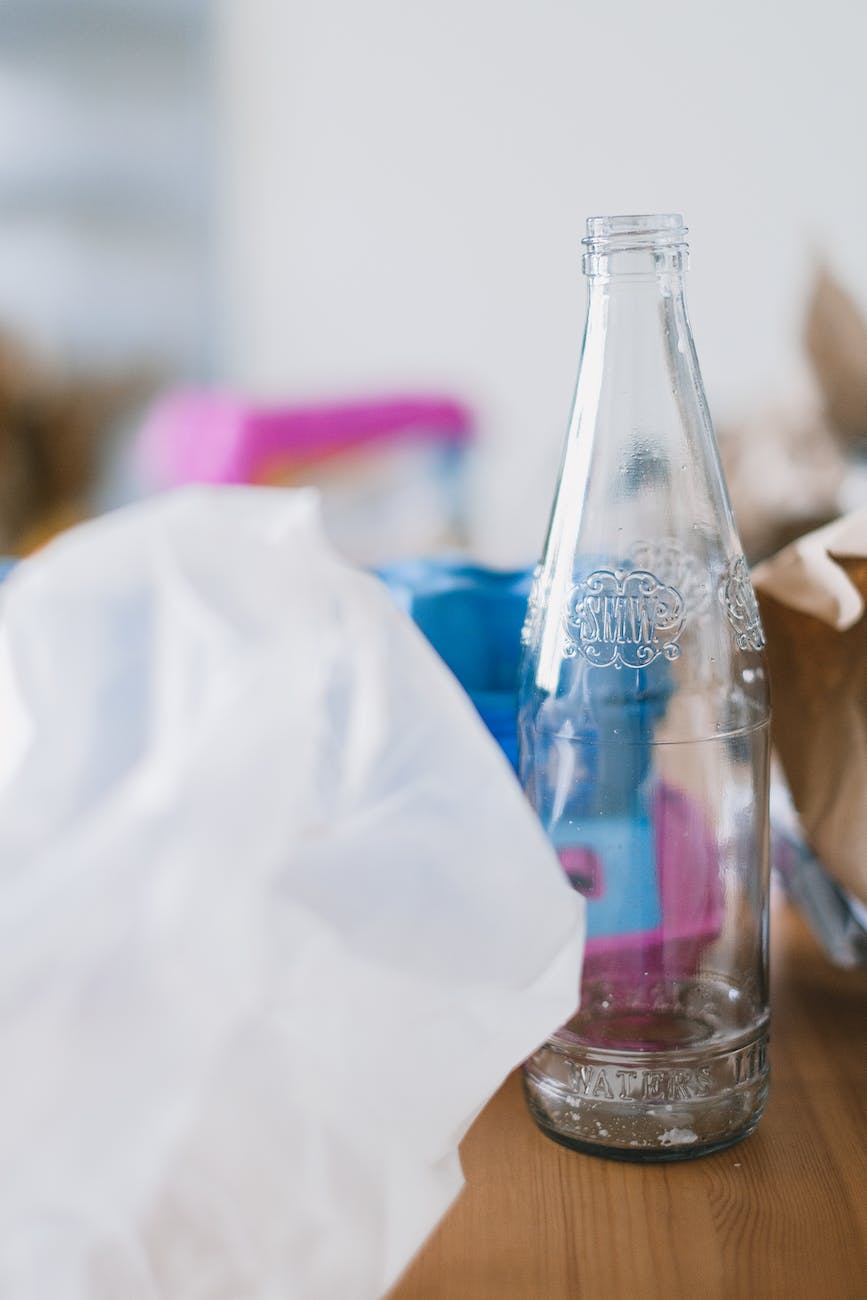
point(404, 187)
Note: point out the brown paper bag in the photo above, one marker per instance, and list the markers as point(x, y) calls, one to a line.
point(813, 597)
point(835, 335)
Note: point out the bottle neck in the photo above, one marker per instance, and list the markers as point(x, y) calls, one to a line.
point(640, 421)
point(638, 286)
point(638, 332)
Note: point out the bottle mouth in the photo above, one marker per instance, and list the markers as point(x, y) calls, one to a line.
point(661, 233)
point(636, 230)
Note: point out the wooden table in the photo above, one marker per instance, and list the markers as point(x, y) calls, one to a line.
point(783, 1214)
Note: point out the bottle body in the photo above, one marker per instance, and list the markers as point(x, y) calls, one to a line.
point(643, 730)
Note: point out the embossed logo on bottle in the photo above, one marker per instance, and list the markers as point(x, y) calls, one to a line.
point(741, 606)
point(657, 1085)
point(624, 619)
point(674, 566)
point(650, 1085)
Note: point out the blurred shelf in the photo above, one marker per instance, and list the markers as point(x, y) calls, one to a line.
point(30, 19)
point(106, 175)
point(107, 205)
point(87, 37)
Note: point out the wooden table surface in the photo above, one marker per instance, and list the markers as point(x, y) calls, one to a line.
point(783, 1214)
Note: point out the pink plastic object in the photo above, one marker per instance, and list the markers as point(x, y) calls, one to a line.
point(690, 895)
point(211, 437)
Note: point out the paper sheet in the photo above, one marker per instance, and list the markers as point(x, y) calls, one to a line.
point(275, 918)
point(813, 596)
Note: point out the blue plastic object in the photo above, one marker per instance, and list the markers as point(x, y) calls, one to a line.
point(619, 901)
point(472, 616)
point(600, 852)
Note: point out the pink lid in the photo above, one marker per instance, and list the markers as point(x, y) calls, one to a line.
point(211, 437)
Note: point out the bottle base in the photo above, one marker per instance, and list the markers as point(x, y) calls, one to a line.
point(641, 1156)
point(647, 1107)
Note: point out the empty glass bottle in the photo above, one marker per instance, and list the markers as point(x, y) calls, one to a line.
point(643, 731)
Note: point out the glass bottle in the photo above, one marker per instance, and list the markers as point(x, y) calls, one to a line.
point(643, 732)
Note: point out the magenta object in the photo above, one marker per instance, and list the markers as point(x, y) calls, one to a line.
point(197, 436)
point(690, 896)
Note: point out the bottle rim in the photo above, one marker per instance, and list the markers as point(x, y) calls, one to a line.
point(635, 230)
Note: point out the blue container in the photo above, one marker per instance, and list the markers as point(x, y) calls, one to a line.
point(473, 617)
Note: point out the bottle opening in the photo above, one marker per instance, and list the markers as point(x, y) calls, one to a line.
point(660, 233)
point(637, 230)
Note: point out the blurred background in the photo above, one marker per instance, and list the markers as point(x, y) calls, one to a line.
point(350, 230)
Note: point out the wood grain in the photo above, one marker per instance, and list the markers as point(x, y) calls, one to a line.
point(781, 1215)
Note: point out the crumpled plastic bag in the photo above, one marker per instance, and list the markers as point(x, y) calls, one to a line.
point(275, 919)
point(813, 597)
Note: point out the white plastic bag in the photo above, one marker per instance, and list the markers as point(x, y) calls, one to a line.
point(275, 919)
